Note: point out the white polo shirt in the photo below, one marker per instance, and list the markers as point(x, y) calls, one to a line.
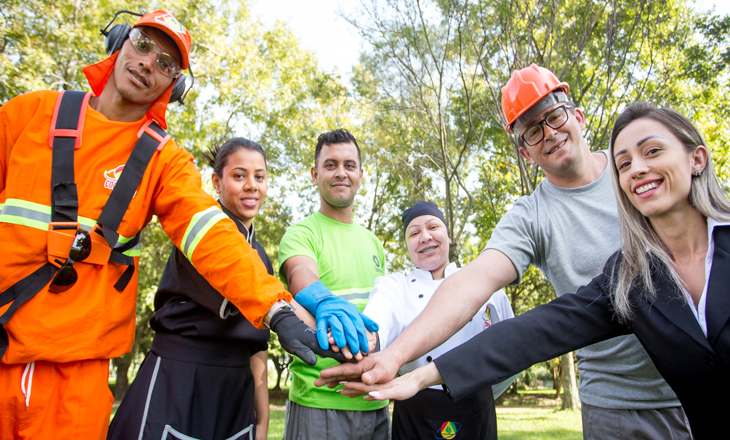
point(397, 299)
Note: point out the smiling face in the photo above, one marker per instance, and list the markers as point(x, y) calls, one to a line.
point(338, 174)
point(136, 76)
point(428, 244)
point(557, 152)
point(242, 186)
point(655, 168)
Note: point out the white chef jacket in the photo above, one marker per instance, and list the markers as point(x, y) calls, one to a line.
point(397, 299)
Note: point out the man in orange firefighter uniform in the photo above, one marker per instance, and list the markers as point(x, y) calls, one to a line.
point(56, 339)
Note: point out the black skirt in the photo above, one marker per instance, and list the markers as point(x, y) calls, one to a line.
point(174, 399)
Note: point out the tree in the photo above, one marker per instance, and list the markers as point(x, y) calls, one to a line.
point(421, 87)
point(433, 78)
point(249, 81)
point(44, 44)
point(612, 53)
point(280, 358)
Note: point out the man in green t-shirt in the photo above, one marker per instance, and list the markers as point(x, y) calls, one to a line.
point(328, 247)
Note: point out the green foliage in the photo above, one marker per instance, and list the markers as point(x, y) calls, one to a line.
point(432, 85)
point(424, 102)
point(44, 44)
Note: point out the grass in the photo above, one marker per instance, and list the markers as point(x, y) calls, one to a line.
point(531, 415)
point(536, 423)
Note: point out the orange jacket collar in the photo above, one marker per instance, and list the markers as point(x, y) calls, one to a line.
point(98, 74)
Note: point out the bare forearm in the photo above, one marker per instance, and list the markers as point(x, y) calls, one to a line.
point(300, 272)
point(455, 302)
point(261, 391)
point(428, 376)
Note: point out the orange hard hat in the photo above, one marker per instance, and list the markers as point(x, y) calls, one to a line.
point(528, 92)
point(168, 24)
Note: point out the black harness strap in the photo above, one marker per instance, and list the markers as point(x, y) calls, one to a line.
point(113, 212)
point(21, 292)
point(64, 200)
point(120, 198)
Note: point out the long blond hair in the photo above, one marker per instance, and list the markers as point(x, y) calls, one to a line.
point(640, 245)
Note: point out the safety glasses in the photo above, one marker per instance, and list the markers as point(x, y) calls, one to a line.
point(145, 45)
point(66, 276)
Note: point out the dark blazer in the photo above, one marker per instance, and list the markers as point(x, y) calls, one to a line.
point(696, 367)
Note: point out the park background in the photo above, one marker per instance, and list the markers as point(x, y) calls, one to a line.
point(418, 83)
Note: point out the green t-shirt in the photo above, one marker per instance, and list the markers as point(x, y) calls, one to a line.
point(349, 258)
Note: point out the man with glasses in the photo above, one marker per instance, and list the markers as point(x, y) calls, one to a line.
point(73, 196)
point(568, 227)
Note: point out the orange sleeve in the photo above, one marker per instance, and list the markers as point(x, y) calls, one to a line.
point(14, 115)
point(210, 240)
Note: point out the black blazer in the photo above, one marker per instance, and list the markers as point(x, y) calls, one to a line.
point(696, 367)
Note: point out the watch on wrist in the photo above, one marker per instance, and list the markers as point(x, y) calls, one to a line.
point(279, 304)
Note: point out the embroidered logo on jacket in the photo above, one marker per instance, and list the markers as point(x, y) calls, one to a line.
point(487, 317)
point(448, 430)
point(112, 176)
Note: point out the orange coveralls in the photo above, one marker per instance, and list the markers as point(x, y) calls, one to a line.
point(51, 333)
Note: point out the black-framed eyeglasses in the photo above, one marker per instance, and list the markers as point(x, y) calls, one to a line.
point(555, 119)
point(144, 45)
point(66, 276)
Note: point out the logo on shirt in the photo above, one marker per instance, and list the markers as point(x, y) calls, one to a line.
point(487, 317)
point(448, 430)
point(376, 261)
point(112, 176)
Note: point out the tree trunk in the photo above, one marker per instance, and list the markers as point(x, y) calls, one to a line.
point(277, 387)
point(122, 365)
point(557, 377)
point(570, 384)
point(279, 371)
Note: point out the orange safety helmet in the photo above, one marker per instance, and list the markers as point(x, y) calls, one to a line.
point(528, 92)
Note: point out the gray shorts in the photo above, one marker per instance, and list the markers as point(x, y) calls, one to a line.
point(648, 424)
point(305, 423)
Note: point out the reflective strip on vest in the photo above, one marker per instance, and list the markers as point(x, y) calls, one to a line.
point(357, 296)
point(198, 227)
point(37, 216)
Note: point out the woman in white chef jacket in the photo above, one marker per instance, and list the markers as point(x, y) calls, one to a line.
point(397, 299)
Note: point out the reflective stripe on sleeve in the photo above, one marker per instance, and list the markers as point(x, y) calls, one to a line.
point(198, 227)
point(37, 216)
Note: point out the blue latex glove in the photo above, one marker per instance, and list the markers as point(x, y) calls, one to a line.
point(347, 324)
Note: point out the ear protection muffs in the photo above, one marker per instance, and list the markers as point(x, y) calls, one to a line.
point(115, 38)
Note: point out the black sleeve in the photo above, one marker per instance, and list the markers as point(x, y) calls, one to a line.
point(180, 278)
point(264, 257)
point(565, 324)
